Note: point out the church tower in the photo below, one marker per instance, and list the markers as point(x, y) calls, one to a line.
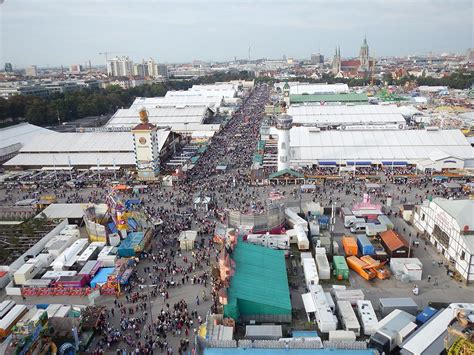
point(145, 142)
point(336, 62)
point(364, 57)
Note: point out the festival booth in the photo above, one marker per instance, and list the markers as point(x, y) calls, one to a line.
point(187, 239)
point(367, 209)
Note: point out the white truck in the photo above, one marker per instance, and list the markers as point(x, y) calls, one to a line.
point(372, 229)
point(392, 330)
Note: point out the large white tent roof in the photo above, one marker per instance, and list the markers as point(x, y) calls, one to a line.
point(345, 114)
point(160, 116)
point(14, 137)
point(212, 102)
point(308, 145)
point(81, 149)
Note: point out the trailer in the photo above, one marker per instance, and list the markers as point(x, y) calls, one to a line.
point(367, 316)
point(10, 319)
point(330, 301)
point(272, 241)
point(89, 253)
point(360, 267)
point(392, 330)
point(108, 256)
point(383, 219)
point(6, 307)
point(69, 256)
point(26, 272)
point(292, 219)
point(313, 228)
point(310, 272)
point(352, 296)
point(372, 229)
point(347, 317)
point(364, 245)
point(301, 237)
point(325, 319)
point(350, 245)
point(324, 269)
point(406, 304)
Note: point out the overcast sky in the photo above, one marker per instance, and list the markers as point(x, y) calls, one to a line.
point(52, 32)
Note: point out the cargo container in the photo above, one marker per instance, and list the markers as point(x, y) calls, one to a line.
point(335, 248)
point(376, 266)
point(340, 268)
point(425, 315)
point(319, 250)
point(342, 335)
point(383, 219)
point(372, 229)
point(10, 319)
point(352, 296)
point(360, 267)
point(350, 245)
point(324, 271)
point(305, 255)
point(364, 245)
point(367, 316)
point(392, 331)
point(406, 304)
point(347, 317)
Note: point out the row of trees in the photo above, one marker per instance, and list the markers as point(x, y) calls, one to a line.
point(70, 106)
point(457, 80)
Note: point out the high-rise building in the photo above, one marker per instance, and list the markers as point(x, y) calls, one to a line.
point(317, 58)
point(8, 68)
point(120, 66)
point(140, 69)
point(284, 124)
point(364, 57)
point(152, 70)
point(31, 71)
point(162, 70)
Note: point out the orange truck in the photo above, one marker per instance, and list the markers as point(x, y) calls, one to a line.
point(377, 266)
point(350, 245)
point(360, 267)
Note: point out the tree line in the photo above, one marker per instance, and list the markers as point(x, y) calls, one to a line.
point(69, 106)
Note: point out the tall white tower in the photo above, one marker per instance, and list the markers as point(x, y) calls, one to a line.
point(284, 124)
point(147, 155)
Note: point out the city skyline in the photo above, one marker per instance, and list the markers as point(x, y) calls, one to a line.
point(47, 33)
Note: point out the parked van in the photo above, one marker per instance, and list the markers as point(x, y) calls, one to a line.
point(352, 222)
point(359, 228)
